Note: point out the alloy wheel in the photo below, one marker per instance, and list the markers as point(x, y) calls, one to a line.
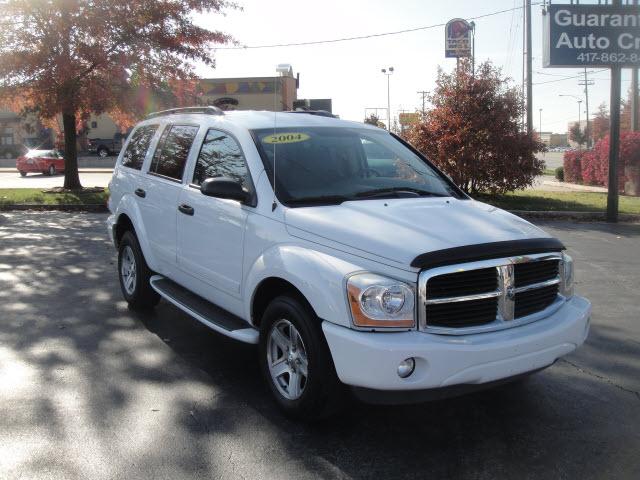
point(287, 359)
point(128, 270)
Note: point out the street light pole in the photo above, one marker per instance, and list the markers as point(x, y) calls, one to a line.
point(540, 131)
point(388, 73)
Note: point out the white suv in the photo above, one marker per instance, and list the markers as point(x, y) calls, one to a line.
point(352, 261)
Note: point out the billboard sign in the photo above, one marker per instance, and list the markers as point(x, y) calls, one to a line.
point(591, 35)
point(407, 118)
point(457, 41)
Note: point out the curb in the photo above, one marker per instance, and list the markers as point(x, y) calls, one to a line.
point(578, 216)
point(91, 207)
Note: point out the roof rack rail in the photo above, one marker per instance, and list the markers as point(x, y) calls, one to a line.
point(319, 113)
point(208, 110)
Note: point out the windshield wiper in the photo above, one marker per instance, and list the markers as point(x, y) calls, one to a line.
point(319, 200)
point(381, 192)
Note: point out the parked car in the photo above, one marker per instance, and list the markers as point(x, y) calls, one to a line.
point(105, 147)
point(48, 162)
point(376, 276)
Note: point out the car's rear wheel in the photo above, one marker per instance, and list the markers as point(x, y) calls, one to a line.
point(52, 170)
point(23, 174)
point(296, 362)
point(103, 152)
point(134, 274)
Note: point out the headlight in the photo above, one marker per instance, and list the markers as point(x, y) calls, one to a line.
point(380, 302)
point(567, 277)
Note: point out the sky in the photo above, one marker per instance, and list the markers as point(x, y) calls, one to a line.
point(350, 72)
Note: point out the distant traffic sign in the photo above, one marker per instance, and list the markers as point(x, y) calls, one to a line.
point(592, 35)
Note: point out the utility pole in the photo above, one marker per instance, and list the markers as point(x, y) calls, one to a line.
point(614, 143)
point(527, 12)
point(424, 94)
point(634, 94)
point(586, 82)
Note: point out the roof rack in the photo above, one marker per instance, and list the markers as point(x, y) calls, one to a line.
point(209, 110)
point(319, 113)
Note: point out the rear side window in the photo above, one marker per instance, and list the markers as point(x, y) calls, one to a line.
point(137, 148)
point(220, 156)
point(172, 152)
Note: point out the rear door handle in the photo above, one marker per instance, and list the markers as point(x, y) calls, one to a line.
point(186, 209)
point(140, 192)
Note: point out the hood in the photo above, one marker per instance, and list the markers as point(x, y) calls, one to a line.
point(398, 230)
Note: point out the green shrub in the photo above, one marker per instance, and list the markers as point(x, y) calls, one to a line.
point(560, 174)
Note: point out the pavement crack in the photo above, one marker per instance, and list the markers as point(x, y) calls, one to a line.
point(603, 378)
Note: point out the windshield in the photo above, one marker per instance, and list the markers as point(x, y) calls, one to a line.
point(321, 165)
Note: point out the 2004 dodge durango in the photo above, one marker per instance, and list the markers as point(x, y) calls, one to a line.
point(354, 263)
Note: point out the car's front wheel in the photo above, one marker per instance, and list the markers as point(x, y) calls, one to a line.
point(103, 152)
point(52, 170)
point(134, 274)
point(296, 362)
point(23, 174)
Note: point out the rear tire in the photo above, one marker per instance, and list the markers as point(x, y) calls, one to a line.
point(134, 274)
point(23, 174)
point(103, 152)
point(296, 362)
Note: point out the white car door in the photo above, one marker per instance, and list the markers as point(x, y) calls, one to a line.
point(211, 230)
point(162, 187)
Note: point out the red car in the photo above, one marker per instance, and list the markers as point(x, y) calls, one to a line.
point(48, 162)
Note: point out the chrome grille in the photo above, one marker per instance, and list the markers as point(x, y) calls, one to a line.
point(488, 295)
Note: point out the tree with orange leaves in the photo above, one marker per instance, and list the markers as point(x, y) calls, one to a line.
point(71, 57)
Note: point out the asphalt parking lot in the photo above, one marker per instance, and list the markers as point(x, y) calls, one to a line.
point(89, 389)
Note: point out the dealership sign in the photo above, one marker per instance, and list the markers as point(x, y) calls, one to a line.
point(592, 35)
point(457, 41)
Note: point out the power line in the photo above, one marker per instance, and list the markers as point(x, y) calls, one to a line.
point(363, 37)
point(572, 77)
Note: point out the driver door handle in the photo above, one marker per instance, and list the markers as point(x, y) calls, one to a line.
point(186, 209)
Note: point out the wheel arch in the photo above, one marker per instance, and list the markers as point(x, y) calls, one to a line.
point(128, 218)
point(315, 277)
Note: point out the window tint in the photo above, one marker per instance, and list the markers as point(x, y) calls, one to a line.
point(137, 149)
point(173, 150)
point(220, 156)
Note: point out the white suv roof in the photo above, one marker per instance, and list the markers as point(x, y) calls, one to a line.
point(252, 119)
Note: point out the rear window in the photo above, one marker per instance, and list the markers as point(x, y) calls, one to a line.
point(172, 152)
point(138, 145)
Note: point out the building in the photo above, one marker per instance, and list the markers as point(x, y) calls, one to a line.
point(253, 93)
point(554, 139)
point(256, 93)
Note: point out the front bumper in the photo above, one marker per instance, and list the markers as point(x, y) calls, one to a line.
point(370, 359)
point(111, 228)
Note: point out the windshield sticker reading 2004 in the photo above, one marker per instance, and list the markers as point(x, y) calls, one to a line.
point(286, 138)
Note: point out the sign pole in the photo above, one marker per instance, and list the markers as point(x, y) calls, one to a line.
point(529, 69)
point(614, 140)
point(634, 94)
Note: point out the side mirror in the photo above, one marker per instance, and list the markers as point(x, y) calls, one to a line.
point(224, 187)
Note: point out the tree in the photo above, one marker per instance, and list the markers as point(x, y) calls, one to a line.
point(578, 135)
point(600, 123)
point(74, 57)
point(374, 120)
point(473, 133)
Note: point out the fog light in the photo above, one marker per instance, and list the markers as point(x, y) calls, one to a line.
point(406, 367)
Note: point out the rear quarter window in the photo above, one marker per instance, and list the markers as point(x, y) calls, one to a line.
point(138, 145)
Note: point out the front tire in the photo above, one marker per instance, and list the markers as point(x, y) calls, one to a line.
point(23, 174)
point(296, 362)
point(103, 152)
point(134, 274)
point(52, 170)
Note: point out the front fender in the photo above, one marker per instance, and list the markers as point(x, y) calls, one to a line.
point(317, 275)
point(129, 207)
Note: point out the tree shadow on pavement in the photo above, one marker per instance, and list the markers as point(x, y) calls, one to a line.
point(89, 389)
